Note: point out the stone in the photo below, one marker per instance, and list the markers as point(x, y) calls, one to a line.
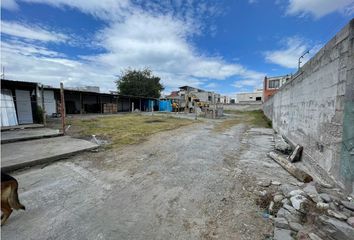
point(262, 193)
point(282, 234)
point(335, 228)
point(297, 192)
point(350, 221)
point(311, 191)
point(286, 189)
point(264, 183)
point(326, 197)
point(337, 215)
point(314, 236)
point(295, 226)
point(322, 205)
point(276, 183)
point(290, 209)
point(285, 201)
point(298, 202)
point(281, 145)
point(349, 205)
point(278, 198)
point(290, 217)
point(281, 223)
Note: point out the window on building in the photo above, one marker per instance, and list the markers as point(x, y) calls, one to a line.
point(251, 97)
point(258, 98)
point(273, 83)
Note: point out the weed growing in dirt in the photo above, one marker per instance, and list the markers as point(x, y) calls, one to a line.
point(254, 118)
point(125, 129)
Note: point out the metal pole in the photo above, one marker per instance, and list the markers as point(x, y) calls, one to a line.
point(62, 107)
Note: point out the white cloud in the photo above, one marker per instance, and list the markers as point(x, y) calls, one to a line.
point(293, 48)
point(158, 37)
point(9, 5)
point(30, 32)
point(319, 8)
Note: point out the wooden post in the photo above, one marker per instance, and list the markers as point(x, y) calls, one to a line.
point(43, 106)
point(62, 107)
point(132, 106)
point(81, 103)
point(291, 168)
point(195, 111)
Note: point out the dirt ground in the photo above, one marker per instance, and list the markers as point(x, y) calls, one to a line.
point(189, 183)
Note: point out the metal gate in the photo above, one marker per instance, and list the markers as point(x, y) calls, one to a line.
point(24, 107)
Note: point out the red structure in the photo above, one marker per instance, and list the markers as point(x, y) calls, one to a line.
point(272, 84)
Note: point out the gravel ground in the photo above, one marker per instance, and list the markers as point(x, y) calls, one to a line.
point(189, 183)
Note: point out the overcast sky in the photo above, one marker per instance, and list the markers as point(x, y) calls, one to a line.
point(225, 46)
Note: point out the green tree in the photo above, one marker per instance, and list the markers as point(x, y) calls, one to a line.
point(139, 83)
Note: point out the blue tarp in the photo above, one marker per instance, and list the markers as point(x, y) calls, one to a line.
point(165, 106)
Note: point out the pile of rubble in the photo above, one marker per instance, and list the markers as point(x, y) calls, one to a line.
point(309, 211)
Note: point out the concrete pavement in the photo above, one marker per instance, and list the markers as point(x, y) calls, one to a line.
point(28, 134)
point(29, 153)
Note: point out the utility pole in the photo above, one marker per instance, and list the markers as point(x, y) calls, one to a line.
point(302, 56)
point(62, 107)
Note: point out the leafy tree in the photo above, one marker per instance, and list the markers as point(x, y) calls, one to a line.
point(139, 83)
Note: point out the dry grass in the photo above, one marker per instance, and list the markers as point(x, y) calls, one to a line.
point(124, 129)
point(252, 118)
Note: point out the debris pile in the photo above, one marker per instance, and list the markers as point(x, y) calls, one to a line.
point(308, 211)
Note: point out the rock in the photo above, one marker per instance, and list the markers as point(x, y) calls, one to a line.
point(282, 234)
point(311, 191)
point(285, 201)
point(298, 202)
point(337, 215)
point(326, 197)
point(290, 217)
point(264, 183)
point(350, 221)
point(281, 145)
point(281, 223)
point(297, 192)
point(290, 209)
point(314, 236)
point(286, 189)
point(278, 198)
point(276, 183)
point(262, 193)
point(295, 226)
point(333, 206)
point(349, 205)
point(335, 228)
point(322, 205)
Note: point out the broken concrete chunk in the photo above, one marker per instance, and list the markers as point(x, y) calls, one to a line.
point(325, 197)
point(335, 228)
point(314, 236)
point(297, 192)
point(290, 217)
point(281, 223)
point(278, 198)
point(322, 205)
point(311, 191)
point(295, 156)
point(282, 234)
point(276, 183)
point(286, 189)
point(281, 145)
point(285, 201)
point(291, 209)
point(337, 215)
point(350, 221)
point(349, 205)
point(264, 183)
point(295, 226)
point(298, 202)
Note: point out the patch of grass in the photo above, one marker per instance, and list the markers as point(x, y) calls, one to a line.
point(254, 118)
point(125, 129)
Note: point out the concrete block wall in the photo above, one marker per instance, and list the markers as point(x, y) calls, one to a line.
point(316, 108)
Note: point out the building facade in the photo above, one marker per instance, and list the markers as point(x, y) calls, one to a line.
point(272, 84)
point(250, 97)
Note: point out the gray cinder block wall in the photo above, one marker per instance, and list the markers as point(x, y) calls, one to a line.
point(316, 109)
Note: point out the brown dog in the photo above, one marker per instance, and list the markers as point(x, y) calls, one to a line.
point(9, 196)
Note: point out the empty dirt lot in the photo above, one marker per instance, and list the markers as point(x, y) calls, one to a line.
point(194, 182)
